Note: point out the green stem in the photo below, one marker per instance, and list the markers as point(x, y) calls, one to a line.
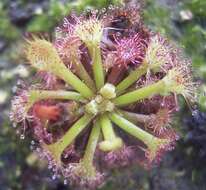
point(134, 117)
point(131, 129)
point(90, 149)
point(65, 74)
point(139, 94)
point(111, 142)
point(83, 74)
point(95, 53)
point(46, 58)
point(133, 77)
point(153, 143)
point(107, 128)
point(58, 147)
point(36, 95)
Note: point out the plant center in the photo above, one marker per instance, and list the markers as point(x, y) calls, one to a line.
point(102, 101)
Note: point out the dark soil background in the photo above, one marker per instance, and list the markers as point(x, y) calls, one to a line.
point(182, 169)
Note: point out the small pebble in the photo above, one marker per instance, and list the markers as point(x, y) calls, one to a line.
point(186, 15)
point(3, 96)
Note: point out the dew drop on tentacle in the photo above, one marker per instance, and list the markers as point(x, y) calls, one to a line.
point(14, 125)
point(22, 136)
point(14, 89)
point(31, 147)
point(33, 142)
point(50, 166)
point(54, 177)
point(65, 182)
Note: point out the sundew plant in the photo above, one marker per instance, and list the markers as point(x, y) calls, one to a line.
point(104, 95)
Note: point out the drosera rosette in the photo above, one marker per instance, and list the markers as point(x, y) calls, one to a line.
point(111, 93)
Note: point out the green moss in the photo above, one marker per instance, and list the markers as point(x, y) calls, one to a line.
point(7, 30)
point(198, 7)
point(57, 10)
point(157, 17)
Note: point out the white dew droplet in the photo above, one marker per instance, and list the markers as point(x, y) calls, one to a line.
point(22, 137)
point(49, 166)
point(54, 177)
point(14, 89)
point(14, 125)
point(65, 182)
point(38, 150)
point(194, 113)
point(31, 147)
point(66, 156)
point(32, 142)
